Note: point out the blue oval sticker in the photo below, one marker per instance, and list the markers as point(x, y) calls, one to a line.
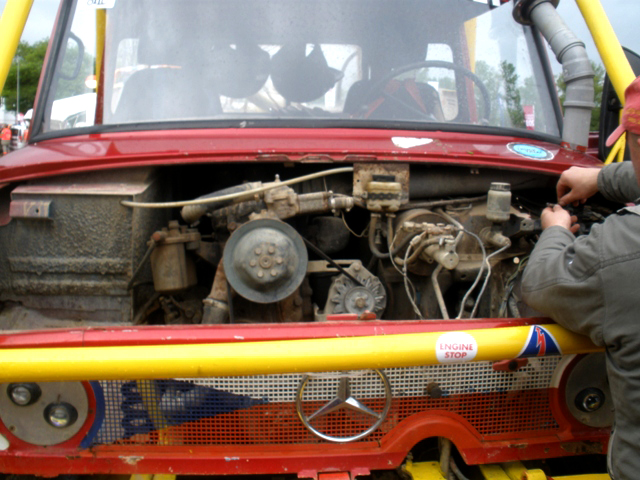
point(530, 151)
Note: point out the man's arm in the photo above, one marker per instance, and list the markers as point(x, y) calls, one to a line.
point(618, 182)
point(561, 280)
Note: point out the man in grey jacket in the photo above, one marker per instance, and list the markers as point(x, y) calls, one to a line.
point(591, 284)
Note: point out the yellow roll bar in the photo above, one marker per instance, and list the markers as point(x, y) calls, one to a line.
point(12, 22)
point(613, 57)
point(270, 357)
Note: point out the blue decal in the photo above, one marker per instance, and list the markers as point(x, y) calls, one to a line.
point(136, 419)
point(174, 402)
point(540, 343)
point(530, 151)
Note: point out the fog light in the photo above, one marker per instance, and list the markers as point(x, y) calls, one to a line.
point(590, 399)
point(60, 415)
point(24, 394)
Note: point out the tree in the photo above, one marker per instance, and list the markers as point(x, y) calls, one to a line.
point(31, 60)
point(598, 83)
point(491, 79)
point(512, 94)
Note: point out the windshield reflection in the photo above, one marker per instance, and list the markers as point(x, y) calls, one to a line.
point(428, 61)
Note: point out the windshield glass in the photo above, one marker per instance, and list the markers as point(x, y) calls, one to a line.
point(461, 62)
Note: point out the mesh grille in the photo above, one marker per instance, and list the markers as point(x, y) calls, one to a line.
point(261, 409)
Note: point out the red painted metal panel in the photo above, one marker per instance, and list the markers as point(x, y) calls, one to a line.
point(131, 149)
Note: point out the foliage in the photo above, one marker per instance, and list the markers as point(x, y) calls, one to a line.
point(31, 60)
point(512, 94)
point(598, 83)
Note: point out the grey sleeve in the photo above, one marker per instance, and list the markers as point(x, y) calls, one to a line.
point(561, 280)
point(618, 182)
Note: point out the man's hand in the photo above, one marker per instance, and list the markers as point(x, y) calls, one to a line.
point(558, 216)
point(576, 185)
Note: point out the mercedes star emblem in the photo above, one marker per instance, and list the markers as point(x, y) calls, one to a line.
point(344, 400)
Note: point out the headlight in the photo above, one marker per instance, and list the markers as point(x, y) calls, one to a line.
point(24, 394)
point(60, 415)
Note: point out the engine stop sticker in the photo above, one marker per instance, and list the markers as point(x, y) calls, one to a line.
point(540, 342)
point(100, 3)
point(455, 347)
point(530, 151)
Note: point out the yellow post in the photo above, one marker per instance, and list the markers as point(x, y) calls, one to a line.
point(613, 57)
point(12, 22)
point(611, 53)
point(272, 357)
point(101, 23)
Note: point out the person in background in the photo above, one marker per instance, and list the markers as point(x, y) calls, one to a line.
point(590, 284)
point(5, 137)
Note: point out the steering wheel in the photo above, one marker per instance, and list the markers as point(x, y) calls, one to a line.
point(377, 89)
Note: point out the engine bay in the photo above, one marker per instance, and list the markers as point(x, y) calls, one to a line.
point(270, 243)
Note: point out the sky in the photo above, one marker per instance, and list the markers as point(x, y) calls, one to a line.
point(623, 14)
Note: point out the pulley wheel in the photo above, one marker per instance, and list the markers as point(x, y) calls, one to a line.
point(265, 260)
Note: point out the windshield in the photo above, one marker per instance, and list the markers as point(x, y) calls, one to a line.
point(457, 62)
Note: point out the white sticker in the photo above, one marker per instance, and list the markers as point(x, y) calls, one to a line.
point(455, 347)
point(100, 3)
point(410, 142)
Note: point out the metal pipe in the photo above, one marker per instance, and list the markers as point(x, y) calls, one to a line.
point(262, 358)
point(445, 456)
point(576, 68)
point(436, 288)
point(14, 17)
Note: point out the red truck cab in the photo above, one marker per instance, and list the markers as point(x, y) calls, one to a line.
point(342, 176)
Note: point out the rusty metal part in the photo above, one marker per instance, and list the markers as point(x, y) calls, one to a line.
point(419, 221)
point(216, 305)
point(282, 202)
point(76, 264)
point(38, 210)
point(345, 296)
point(181, 312)
point(365, 173)
point(173, 269)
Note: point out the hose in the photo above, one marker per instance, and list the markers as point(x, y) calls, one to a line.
point(372, 241)
point(233, 196)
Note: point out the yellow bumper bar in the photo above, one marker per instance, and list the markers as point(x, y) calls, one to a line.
point(288, 356)
point(505, 471)
point(12, 22)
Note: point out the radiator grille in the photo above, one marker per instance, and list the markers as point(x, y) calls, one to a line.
point(261, 409)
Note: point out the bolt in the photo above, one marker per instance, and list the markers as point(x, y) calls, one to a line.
point(274, 272)
point(258, 251)
point(260, 274)
point(253, 263)
point(266, 261)
point(272, 249)
point(279, 260)
point(361, 302)
point(357, 267)
point(433, 390)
